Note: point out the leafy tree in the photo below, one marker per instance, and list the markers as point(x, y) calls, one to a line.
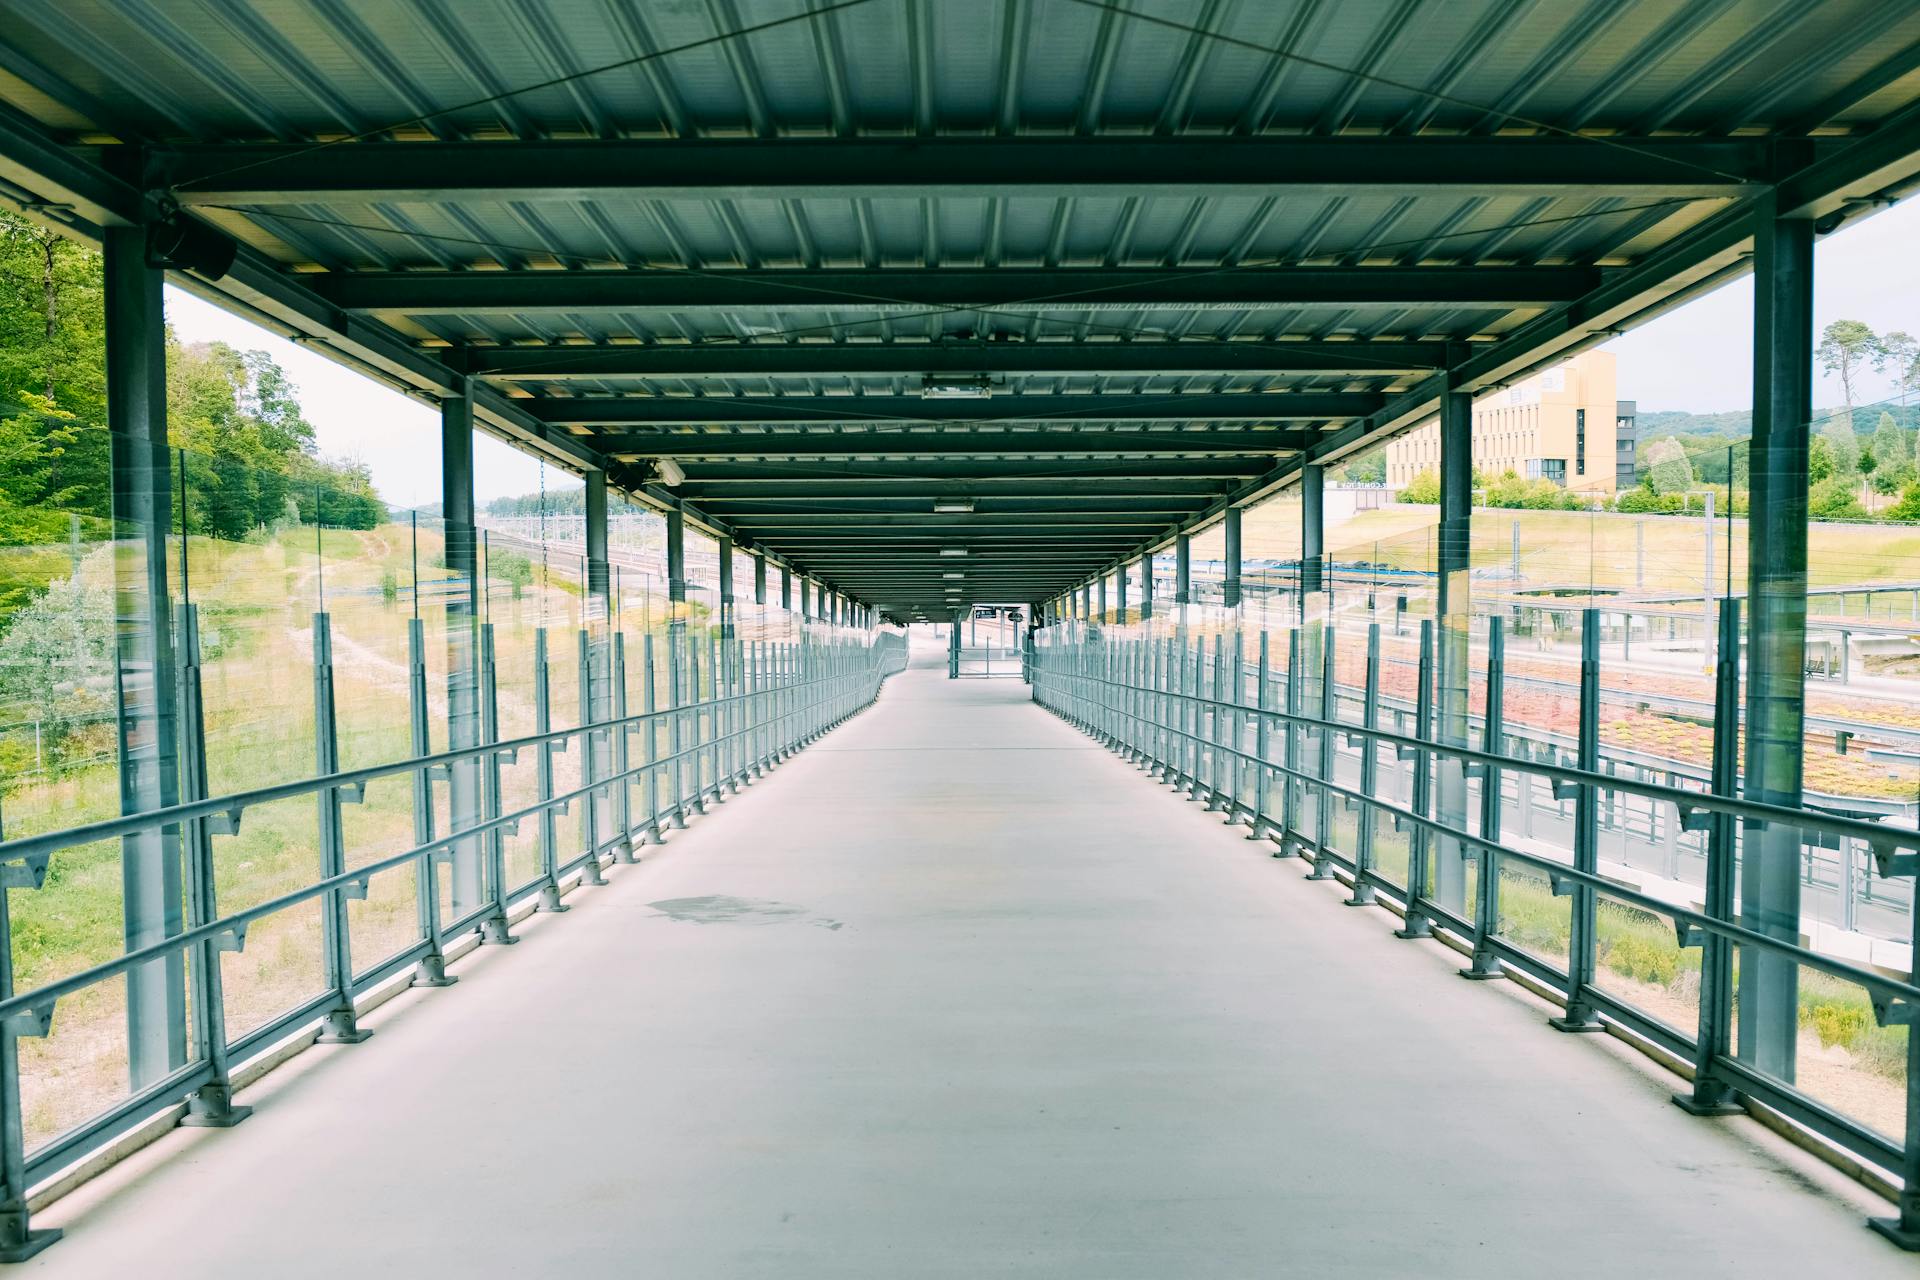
point(1900, 351)
point(1908, 508)
point(1671, 472)
point(1643, 499)
point(1892, 461)
point(1424, 487)
point(1368, 469)
point(52, 371)
point(1837, 431)
point(1834, 499)
point(1819, 460)
point(59, 662)
point(1845, 347)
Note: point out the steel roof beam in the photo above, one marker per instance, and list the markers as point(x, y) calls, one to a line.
point(566, 171)
point(949, 444)
point(605, 411)
point(548, 293)
point(956, 472)
point(744, 509)
point(899, 359)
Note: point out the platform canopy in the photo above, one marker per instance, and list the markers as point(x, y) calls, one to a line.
point(1044, 281)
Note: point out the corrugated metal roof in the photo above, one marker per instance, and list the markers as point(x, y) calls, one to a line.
point(387, 156)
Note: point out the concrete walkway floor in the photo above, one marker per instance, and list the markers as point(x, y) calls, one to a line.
point(959, 994)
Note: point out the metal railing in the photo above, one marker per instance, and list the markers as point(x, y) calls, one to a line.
point(701, 734)
point(1176, 703)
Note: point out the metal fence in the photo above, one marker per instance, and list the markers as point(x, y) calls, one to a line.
point(1373, 781)
point(719, 710)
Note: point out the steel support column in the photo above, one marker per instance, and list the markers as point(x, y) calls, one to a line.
point(1146, 587)
point(1313, 528)
point(1230, 581)
point(1183, 570)
point(598, 675)
point(1454, 608)
point(786, 588)
point(676, 556)
point(147, 697)
point(724, 545)
point(1777, 630)
point(760, 578)
point(463, 612)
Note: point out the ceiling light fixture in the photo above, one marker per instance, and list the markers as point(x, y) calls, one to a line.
point(953, 551)
point(979, 387)
point(952, 506)
point(669, 472)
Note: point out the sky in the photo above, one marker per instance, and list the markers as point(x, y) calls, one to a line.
point(1698, 359)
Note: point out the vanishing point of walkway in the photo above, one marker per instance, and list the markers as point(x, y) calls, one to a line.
point(959, 994)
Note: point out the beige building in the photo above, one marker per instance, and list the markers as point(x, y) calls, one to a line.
point(1558, 425)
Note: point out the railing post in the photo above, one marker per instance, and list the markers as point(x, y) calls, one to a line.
point(549, 828)
point(591, 802)
point(211, 1106)
point(650, 704)
point(1262, 827)
point(494, 930)
point(1581, 942)
point(622, 795)
point(19, 1239)
point(341, 1025)
point(1217, 797)
point(1323, 800)
point(1364, 820)
point(1289, 846)
point(676, 728)
point(703, 727)
point(432, 969)
point(1712, 1094)
point(1416, 924)
point(1486, 901)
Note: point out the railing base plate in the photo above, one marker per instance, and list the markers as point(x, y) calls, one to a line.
point(1695, 1107)
point(34, 1242)
point(1906, 1237)
point(1577, 1026)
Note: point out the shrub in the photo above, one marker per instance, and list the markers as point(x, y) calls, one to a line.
point(1424, 487)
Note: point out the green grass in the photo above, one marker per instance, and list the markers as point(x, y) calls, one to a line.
point(1578, 547)
point(1640, 946)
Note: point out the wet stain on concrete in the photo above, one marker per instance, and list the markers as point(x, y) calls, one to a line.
point(723, 909)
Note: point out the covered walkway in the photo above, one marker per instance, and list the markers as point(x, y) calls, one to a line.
point(958, 993)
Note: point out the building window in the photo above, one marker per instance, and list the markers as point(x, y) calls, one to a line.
point(1579, 442)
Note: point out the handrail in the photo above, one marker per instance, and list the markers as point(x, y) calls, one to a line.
point(346, 779)
point(1611, 888)
point(42, 997)
point(735, 737)
point(1877, 834)
point(1198, 742)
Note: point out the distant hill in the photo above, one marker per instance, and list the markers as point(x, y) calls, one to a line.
point(1737, 424)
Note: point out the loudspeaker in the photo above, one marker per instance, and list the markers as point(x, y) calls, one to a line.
point(181, 244)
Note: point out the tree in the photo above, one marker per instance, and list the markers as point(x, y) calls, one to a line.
point(1837, 431)
point(1846, 346)
point(1900, 351)
point(1908, 508)
point(53, 368)
point(1670, 472)
point(1424, 487)
point(1368, 469)
point(1834, 499)
point(1892, 461)
point(1819, 460)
